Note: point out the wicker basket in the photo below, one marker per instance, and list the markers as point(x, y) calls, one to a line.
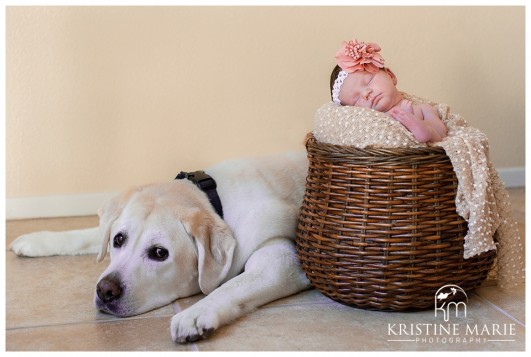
point(378, 228)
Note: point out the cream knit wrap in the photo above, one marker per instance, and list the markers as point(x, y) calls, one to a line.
point(481, 199)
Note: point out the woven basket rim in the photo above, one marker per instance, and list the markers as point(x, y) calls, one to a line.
point(336, 150)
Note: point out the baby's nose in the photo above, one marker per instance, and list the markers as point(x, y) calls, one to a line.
point(366, 92)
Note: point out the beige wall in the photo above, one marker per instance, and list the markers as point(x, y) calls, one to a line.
point(99, 99)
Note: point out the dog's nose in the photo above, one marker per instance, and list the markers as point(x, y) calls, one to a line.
point(109, 289)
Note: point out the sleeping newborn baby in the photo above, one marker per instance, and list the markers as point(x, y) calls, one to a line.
point(360, 79)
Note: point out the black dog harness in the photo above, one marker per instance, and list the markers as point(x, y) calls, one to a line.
point(206, 184)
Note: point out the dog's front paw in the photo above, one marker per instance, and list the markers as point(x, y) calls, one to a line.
point(192, 325)
point(31, 245)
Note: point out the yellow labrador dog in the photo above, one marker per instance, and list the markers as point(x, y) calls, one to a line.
point(166, 242)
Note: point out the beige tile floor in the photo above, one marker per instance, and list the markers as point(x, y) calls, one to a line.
point(49, 308)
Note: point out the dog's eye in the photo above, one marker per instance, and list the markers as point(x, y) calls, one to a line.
point(158, 253)
point(118, 240)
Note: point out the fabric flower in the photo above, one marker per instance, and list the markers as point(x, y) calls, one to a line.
point(359, 56)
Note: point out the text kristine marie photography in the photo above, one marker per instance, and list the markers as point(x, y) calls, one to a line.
point(451, 325)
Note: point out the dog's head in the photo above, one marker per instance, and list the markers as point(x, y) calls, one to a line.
point(165, 242)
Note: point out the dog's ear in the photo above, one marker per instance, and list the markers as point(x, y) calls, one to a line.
point(215, 247)
point(108, 213)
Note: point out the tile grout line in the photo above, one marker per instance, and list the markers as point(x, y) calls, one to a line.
point(499, 309)
point(306, 303)
point(74, 323)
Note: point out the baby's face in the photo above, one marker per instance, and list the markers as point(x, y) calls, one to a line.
point(369, 90)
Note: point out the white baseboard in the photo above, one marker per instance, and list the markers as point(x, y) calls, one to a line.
point(88, 204)
point(55, 206)
point(512, 176)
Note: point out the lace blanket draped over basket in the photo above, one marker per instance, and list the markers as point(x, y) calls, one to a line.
point(481, 198)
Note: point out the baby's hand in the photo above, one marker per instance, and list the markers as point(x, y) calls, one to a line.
point(404, 115)
point(407, 106)
point(415, 125)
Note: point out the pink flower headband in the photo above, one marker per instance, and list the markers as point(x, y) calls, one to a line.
point(356, 56)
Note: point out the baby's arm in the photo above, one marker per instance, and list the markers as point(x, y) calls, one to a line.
point(431, 117)
point(426, 125)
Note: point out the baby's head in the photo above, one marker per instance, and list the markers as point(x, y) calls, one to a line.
point(360, 78)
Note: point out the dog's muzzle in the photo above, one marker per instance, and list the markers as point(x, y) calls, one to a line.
point(109, 290)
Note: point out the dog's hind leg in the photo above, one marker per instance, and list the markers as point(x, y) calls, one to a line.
point(272, 272)
point(41, 244)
